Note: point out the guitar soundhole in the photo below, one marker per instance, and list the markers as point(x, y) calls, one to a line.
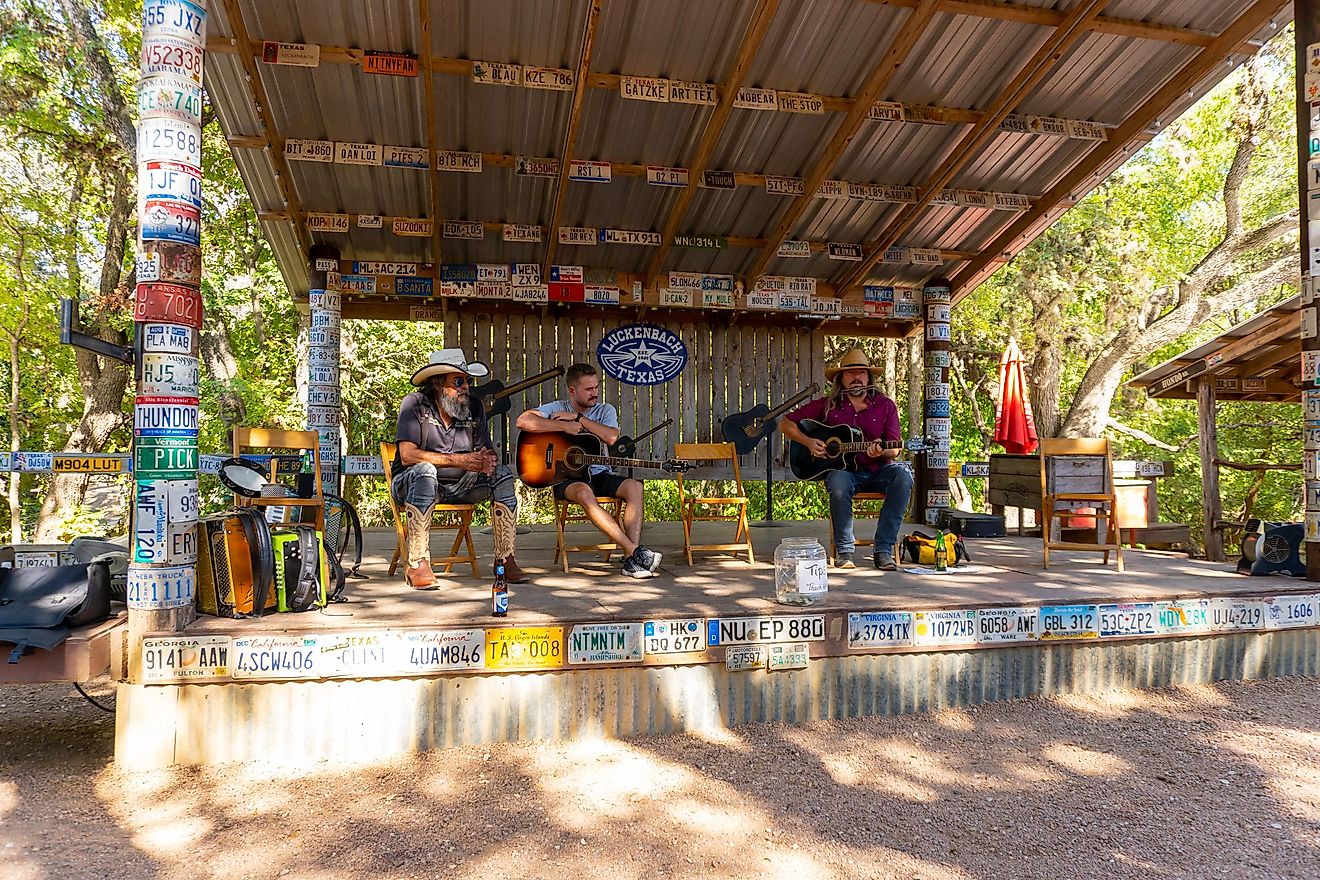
point(573, 458)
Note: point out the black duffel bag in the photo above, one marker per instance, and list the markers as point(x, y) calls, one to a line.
point(40, 606)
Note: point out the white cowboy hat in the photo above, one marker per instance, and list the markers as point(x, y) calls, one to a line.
point(451, 360)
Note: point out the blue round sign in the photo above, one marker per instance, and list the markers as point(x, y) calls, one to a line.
point(641, 354)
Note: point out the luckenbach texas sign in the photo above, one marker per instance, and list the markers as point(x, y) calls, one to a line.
point(641, 354)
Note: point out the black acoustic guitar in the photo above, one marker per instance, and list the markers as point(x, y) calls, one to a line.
point(545, 458)
point(496, 398)
point(746, 429)
point(843, 443)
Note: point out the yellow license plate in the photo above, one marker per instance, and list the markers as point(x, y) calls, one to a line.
point(525, 647)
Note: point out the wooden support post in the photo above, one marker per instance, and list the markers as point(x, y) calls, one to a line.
point(1307, 16)
point(937, 424)
point(323, 391)
point(1208, 438)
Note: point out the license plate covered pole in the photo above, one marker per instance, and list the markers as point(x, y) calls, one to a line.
point(323, 392)
point(167, 311)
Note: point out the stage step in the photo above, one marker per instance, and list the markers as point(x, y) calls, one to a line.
point(295, 723)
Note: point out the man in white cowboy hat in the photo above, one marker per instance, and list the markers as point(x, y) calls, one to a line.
point(855, 401)
point(446, 456)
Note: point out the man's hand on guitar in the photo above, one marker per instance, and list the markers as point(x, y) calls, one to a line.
point(877, 451)
point(571, 424)
point(815, 447)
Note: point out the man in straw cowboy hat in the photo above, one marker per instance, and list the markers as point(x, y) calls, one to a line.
point(854, 400)
point(446, 456)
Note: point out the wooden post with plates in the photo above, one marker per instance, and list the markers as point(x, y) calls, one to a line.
point(1307, 17)
point(937, 427)
point(323, 392)
point(167, 316)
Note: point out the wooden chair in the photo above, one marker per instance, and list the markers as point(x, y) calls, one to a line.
point(250, 439)
point(458, 517)
point(1072, 470)
point(564, 515)
point(696, 507)
point(866, 505)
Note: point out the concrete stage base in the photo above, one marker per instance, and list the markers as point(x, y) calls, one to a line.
point(355, 721)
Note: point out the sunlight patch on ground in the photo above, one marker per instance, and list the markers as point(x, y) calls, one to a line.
point(955, 719)
point(1084, 761)
point(8, 798)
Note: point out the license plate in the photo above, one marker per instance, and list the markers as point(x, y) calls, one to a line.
point(165, 417)
point(170, 181)
point(1069, 622)
point(674, 636)
point(171, 262)
point(740, 658)
point(1191, 615)
point(1237, 614)
point(169, 140)
point(176, 375)
point(791, 656)
point(1000, 625)
point(1290, 611)
point(442, 651)
point(753, 630)
point(1132, 619)
point(945, 627)
point(165, 458)
point(170, 96)
point(155, 589)
point(880, 629)
point(170, 221)
point(172, 56)
point(86, 464)
point(170, 303)
point(168, 339)
point(174, 18)
point(525, 647)
point(590, 643)
point(178, 658)
point(276, 657)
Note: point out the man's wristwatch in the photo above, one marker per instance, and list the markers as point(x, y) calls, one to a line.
point(579, 417)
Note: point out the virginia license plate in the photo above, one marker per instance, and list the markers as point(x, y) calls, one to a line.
point(880, 629)
point(674, 636)
point(945, 627)
point(1069, 622)
point(1132, 619)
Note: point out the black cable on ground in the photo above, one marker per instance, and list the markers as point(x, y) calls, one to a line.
point(88, 697)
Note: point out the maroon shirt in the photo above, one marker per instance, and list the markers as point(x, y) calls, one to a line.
point(878, 421)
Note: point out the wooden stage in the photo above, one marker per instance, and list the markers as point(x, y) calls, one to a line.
point(1005, 571)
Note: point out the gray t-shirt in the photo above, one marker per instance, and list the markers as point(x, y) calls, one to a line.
point(604, 413)
point(419, 423)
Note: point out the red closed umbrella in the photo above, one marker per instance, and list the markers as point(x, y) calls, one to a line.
point(1015, 429)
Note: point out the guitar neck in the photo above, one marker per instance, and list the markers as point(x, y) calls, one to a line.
point(618, 461)
point(865, 445)
point(787, 405)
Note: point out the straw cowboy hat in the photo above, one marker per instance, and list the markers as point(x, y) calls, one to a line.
point(853, 359)
point(451, 360)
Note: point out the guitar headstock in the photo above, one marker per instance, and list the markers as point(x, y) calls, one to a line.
point(676, 466)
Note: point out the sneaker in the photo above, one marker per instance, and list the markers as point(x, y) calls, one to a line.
point(885, 562)
point(647, 558)
point(844, 560)
point(634, 568)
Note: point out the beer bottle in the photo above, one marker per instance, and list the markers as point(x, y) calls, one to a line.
point(499, 592)
point(941, 560)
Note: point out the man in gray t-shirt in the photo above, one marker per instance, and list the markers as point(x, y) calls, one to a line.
point(583, 413)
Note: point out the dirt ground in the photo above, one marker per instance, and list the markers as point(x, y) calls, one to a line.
point(1219, 781)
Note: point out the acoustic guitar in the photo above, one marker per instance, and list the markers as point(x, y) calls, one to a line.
point(843, 443)
point(545, 458)
point(496, 398)
point(746, 429)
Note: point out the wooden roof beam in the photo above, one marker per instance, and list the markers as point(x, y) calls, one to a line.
point(757, 28)
point(432, 132)
point(1037, 67)
point(272, 136)
point(570, 135)
point(1108, 153)
point(898, 51)
point(1053, 18)
point(1284, 355)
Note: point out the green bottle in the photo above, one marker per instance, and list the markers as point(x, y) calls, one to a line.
point(941, 564)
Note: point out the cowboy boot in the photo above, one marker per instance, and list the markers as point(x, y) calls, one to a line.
point(417, 541)
point(512, 573)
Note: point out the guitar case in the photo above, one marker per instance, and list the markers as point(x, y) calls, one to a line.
point(235, 565)
point(40, 606)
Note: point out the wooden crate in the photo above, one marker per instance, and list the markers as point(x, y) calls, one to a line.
point(1014, 481)
point(1076, 474)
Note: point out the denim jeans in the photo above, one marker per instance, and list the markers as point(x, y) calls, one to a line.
point(418, 486)
point(894, 479)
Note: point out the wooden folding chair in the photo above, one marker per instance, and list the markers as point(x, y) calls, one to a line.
point(691, 507)
point(250, 439)
point(564, 515)
point(1078, 469)
point(866, 505)
point(457, 517)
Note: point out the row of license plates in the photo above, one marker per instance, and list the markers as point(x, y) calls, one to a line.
point(750, 642)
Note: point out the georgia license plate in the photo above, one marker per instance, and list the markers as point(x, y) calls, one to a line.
point(1069, 622)
point(178, 658)
point(998, 625)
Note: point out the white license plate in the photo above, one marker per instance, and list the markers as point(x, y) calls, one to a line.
point(183, 658)
point(1069, 622)
point(739, 658)
point(442, 651)
point(169, 140)
point(945, 627)
point(1290, 611)
point(754, 630)
point(1236, 614)
point(1000, 625)
point(791, 656)
point(1190, 615)
point(277, 657)
point(880, 629)
point(1131, 619)
point(674, 636)
point(604, 643)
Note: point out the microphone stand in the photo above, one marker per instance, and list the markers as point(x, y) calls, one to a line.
point(769, 522)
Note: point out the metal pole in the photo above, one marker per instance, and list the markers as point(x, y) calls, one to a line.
point(936, 297)
point(167, 315)
point(1307, 47)
point(769, 522)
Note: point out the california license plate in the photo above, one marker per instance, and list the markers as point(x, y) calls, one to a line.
point(1069, 622)
point(1132, 619)
point(277, 657)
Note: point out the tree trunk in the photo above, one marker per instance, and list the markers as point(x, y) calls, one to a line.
point(221, 366)
point(15, 440)
point(1089, 413)
point(1046, 377)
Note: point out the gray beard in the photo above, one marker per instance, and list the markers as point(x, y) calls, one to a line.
point(456, 408)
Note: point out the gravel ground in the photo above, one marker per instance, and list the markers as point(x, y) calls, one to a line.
point(1219, 781)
